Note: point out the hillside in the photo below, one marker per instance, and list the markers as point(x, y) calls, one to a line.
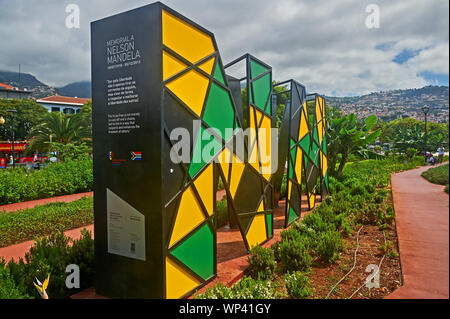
point(77, 89)
point(27, 81)
point(389, 105)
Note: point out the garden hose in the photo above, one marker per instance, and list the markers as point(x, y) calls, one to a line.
point(354, 264)
point(379, 266)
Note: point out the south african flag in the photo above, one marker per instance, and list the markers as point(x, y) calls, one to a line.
point(136, 156)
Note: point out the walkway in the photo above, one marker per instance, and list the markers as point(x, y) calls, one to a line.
point(40, 202)
point(422, 214)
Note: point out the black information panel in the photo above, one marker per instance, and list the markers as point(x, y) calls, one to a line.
point(127, 117)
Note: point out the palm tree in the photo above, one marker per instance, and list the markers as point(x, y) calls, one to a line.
point(60, 128)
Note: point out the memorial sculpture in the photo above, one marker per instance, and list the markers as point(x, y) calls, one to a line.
point(157, 78)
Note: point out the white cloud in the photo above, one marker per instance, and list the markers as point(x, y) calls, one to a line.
point(323, 44)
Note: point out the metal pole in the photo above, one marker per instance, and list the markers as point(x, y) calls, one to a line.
point(13, 142)
point(426, 132)
point(13, 135)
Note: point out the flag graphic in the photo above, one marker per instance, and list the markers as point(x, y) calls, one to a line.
point(136, 156)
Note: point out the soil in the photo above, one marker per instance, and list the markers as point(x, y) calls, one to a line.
point(323, 278)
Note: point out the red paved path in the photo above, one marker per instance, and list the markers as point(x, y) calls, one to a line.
point(421, 210)
point(40, 202)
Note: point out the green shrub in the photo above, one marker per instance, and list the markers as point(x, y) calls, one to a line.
point(261, 263)
point(246, 288)
point(297, 285)
point(221, 218)
point(294, 255)
point(8, 287)
point(51, 255)
point(18, 185)
point(328, 246)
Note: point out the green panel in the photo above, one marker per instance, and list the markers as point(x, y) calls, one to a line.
point(198, 161)
point(219, 113)
point(316, 134)
point(305, 143)
point(261, 90)
point(292, 215)
point(315, 150)
point(326, 179)
point(218, 73)
point(257, 69)
point(324, 145)
point(293, 156)
point(197, 252)
point(269, 224)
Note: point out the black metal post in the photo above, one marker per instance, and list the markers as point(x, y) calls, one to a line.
point(13, 136)
point(426, 131)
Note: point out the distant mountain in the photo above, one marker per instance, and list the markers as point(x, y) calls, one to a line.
point(76, 89)
point(389, 105)
point(27, 81)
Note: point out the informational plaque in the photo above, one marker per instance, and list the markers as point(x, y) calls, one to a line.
point(127, 134)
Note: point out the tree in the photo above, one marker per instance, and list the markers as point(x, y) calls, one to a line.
point(347, 136)
point(411, 131)
point(29, 114)
point(61, 129)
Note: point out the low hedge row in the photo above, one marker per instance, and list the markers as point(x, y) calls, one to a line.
point(18, 185)
point(43, 220)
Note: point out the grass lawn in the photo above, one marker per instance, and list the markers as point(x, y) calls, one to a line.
point(438, 175)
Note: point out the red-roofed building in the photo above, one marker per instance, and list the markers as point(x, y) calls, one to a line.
point(64, 104)
point(10, 92)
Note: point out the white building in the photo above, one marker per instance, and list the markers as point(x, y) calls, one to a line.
point(64, 104)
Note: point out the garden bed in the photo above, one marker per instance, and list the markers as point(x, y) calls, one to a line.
point(27, 224)
point(317, 251)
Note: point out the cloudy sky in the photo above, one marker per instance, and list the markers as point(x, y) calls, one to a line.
point(324, 44)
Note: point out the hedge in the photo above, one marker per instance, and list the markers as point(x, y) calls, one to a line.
point(18, 185)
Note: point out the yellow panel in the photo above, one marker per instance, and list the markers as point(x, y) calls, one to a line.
point(178, 281)
point(185, 39)
point(320, 130)
point(208, 66)
point(205, 186)
point(261, 207)
point(318, 108)
point(257, 231)
point(288, 189)
point(303, 127)
point(298, 165)
point(191, 88)
point(254, 158)
point(264, 136)
point(236, 173)
point(171, 65)
point(224, 159)
point(312, 200)
point(189, 215)
point(324, 164)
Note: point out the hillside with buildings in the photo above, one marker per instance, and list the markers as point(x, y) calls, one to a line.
point(389, 105)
